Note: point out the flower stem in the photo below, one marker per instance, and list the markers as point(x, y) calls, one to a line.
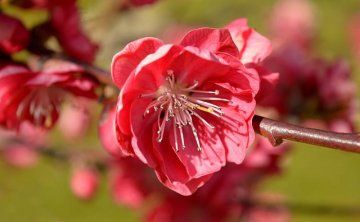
point(277, 131)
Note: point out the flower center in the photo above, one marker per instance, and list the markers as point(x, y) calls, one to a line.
point(178, 105)
point(40, 103)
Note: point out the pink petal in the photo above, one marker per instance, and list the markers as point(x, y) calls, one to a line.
point(252, 46)
point(125, 61)
point(84, 183)
point(147, 78)
point(199, 163)
point(107, 133)
point(185, 189)
point(212, 40)
point(13, 34)
point(268, 81)
point(65, 19)
point(149, 150)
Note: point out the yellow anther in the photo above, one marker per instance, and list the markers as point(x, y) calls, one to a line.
point(209, 110)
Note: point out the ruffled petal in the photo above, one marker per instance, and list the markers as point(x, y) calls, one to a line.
point(147, 78)
point(252, 46)
point(185, 189)
point(212, 40)
point(125, 61)
point(199, 163)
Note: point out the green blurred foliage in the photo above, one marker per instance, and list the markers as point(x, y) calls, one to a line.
point(312, 175)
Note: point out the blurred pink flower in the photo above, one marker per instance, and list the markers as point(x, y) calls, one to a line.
point(312, 88)
point(13, 34)
point(75, 119)
point(293, 22)
point(132, 182)
point(65, 25)
point(65, 20)
point(19, 155)
point(107, 133)
point(84, 183)
point(31, 134)
point(35, 96)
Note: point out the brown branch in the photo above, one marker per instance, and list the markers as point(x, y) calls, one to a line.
point(277, 131)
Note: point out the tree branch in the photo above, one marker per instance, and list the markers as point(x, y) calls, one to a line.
point(277, 131)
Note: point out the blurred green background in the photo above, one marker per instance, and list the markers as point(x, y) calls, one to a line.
point(313, 176)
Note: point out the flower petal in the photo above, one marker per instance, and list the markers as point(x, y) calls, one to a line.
point(199, 163)
point(185, 189)
point(252, 46)
point(125, 61)
point(212, 40)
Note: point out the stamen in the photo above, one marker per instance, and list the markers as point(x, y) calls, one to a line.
point(195, 135)
point(215, 92)
point(203, 120)
point(153, 94)
point(40, 103)
point(176, 102)
point(182, 137)
point(175, 136)
point(212, 99)
point(192, 86)
point(161, 130)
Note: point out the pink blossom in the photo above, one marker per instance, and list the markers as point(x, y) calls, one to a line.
point(187, 109)
point(132, 182)
point(35, 96)
point(293, 22)
point(312, 88)
point(19, 155)
point(75, 119)
point(65, 25)
point(65, 20)
point(107, 132)
point(84, 183)
point(20, 149)
point(253, 49)
point(13, 34)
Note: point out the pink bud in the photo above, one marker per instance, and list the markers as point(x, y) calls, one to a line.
point(84, 183)
point(293, 21)
point(126, 191)
point(107, 134)
point(20, 155)
point(74, 122)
